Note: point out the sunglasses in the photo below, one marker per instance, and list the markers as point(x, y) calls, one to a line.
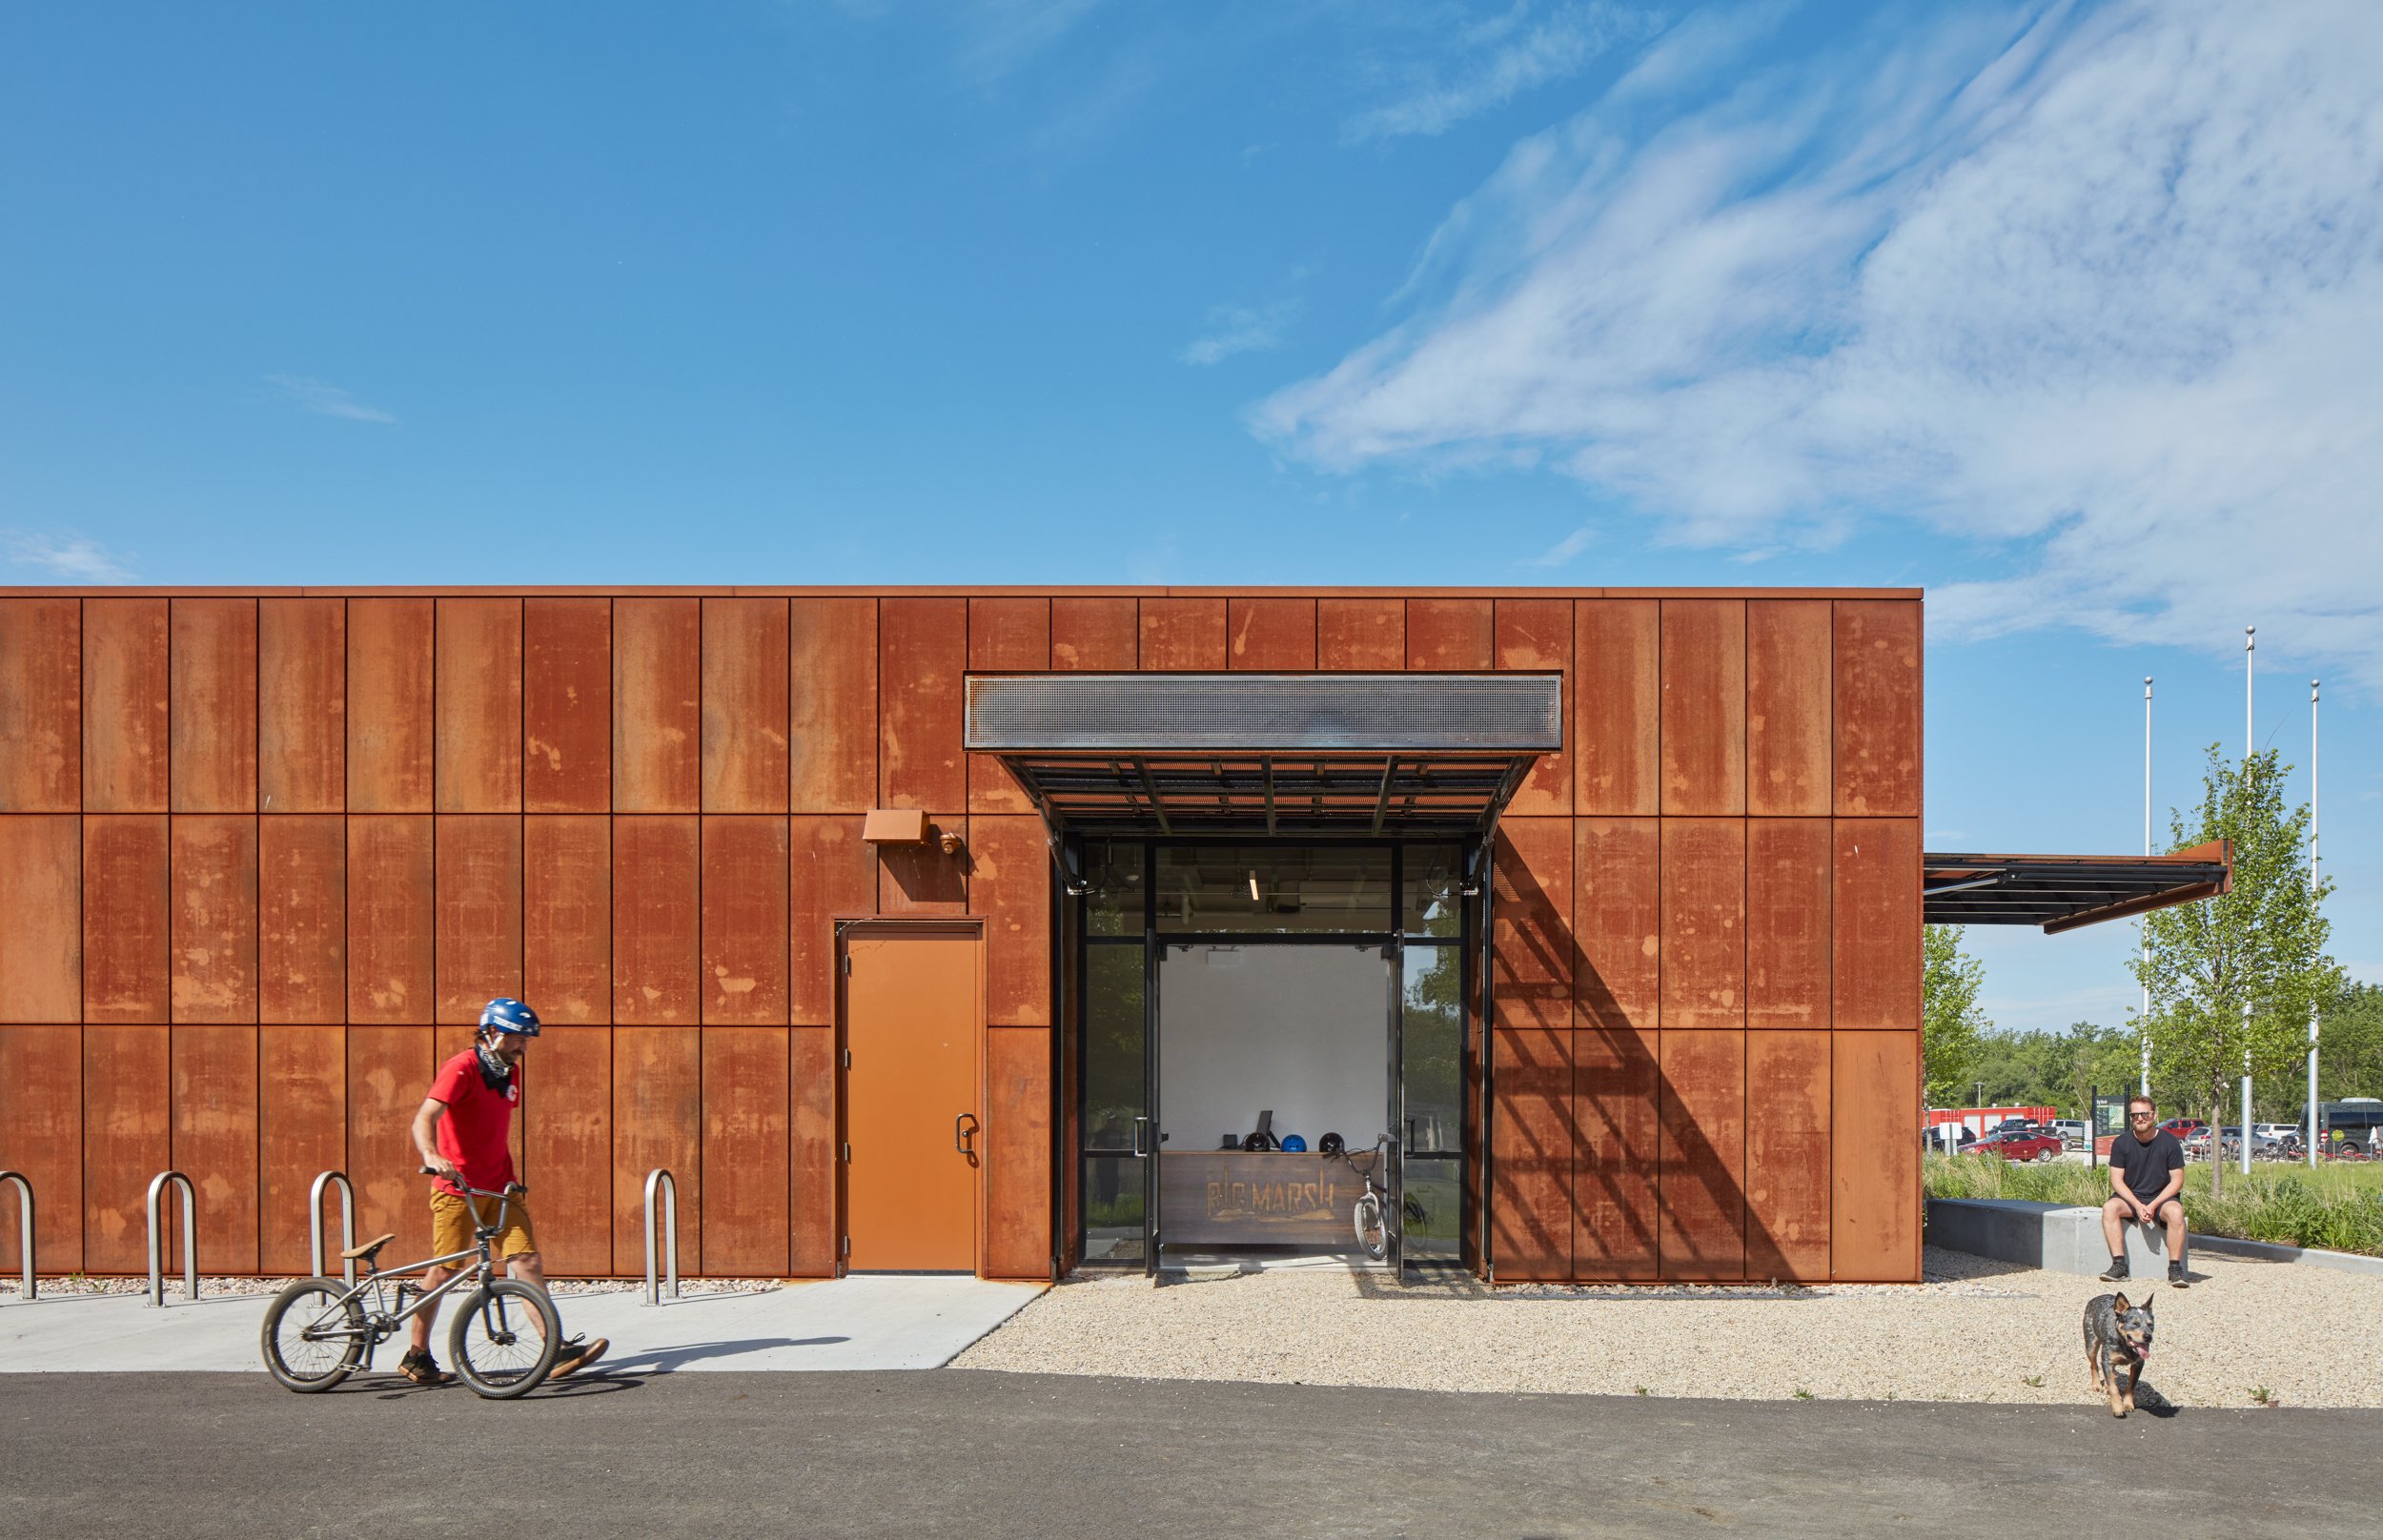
point(2142, 1117)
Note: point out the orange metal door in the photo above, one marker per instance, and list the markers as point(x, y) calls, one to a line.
point(911, 1121)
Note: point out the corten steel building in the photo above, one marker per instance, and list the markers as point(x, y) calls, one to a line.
point(980, 931)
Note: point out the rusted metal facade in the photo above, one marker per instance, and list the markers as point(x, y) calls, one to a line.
point(263, 855)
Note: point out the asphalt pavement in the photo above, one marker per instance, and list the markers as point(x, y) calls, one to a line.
point(965, 1452)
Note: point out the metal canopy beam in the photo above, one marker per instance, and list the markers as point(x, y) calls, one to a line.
point(1385, 795)
point(2066, 892)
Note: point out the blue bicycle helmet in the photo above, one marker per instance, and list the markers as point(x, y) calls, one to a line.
point(1295, 1145)
point(509, 1016)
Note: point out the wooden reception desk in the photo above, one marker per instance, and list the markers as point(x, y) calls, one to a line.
point(1240, 1198)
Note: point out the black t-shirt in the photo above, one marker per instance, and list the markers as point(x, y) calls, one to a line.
point(2147, 1165)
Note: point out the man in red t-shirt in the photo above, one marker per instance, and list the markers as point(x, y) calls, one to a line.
point(462, 1134)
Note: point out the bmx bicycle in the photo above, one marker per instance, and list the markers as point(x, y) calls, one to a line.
point(504, 1341)
point(1373, 1221)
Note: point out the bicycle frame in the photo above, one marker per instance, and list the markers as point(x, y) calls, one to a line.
point(380, 1323)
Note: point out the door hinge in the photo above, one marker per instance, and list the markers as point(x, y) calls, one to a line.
point(848, 1057)
point(847, 1246)
point(847, 965)
point(848, 1154)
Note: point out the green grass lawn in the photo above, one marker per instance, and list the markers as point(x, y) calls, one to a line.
point(2337, 1207)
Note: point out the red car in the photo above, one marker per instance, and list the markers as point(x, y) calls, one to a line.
point(2017, 1146)
point(2183, 1127)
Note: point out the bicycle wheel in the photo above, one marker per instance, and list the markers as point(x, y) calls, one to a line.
point(1373, 1234)
point(504, 1339)
point(310, 1343)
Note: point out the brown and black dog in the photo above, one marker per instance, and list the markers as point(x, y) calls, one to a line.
point(2117, 1335)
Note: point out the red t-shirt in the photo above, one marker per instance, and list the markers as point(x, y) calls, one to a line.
point(473, 1133)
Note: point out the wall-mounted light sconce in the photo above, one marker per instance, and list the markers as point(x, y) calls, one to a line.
point(905, 826)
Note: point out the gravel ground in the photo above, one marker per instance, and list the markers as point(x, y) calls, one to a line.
point(1975, 1331)
point(209, 1287)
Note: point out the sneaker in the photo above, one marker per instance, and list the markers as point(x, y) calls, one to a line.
point(2116, 1273)
point(577, 1354)
point(2176, 1278)
point(421, 1368)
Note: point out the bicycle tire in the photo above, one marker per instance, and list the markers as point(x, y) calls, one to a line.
point(484, 1339)
point(1373, 1234)
point(311, 1378)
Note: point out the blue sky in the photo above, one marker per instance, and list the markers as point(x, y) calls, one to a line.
point(2067, 312)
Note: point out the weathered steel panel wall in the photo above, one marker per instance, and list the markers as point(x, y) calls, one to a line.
point(352, 818)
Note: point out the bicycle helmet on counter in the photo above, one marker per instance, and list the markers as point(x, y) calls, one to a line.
point(1295, 1145)
point(1331, 1144)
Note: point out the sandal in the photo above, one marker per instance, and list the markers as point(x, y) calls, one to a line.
point(421, 1368)
point(576, 1355)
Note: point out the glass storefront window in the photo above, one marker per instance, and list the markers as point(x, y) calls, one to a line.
point(1431, 1037)
point(1113, 1070)
point(1273, 888)
point(1112, 1209)
point(1436, 1187)
point(1433, 903)
point(1114, 907)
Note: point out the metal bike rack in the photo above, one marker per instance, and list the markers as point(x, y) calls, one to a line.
point(24, 1226)
point(658, 1177)
point(347, 1223)
point(190, 1238)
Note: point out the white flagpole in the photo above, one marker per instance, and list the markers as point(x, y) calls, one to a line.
point(2249, 649)
point(2142, 927)
point(2314, 859)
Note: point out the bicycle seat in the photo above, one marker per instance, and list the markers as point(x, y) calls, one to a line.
point(364, 1253)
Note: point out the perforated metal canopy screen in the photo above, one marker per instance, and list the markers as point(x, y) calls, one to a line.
point(1128, 714)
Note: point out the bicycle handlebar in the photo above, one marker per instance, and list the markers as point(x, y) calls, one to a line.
point(480, 1192)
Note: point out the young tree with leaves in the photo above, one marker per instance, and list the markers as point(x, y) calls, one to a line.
point(2233, 978)
point(1951, 1022)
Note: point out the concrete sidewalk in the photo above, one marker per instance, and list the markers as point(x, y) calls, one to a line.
point(863, 1323)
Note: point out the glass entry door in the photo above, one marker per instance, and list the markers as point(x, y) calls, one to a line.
point(1328, 986)
point(1269, 1051)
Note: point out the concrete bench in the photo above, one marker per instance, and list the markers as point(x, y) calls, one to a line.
point(2056, 1237)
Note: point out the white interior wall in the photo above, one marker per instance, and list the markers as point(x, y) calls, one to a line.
point(1301, 1029)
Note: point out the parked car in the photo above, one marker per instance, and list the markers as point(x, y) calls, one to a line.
point(2017, 1146)
point(2184, 1128)
point(2073, 1131)
point(2197, 1142)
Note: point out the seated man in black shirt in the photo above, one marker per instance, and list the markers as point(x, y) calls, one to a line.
point(2147, 1172)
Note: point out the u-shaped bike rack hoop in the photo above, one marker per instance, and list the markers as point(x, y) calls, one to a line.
point(347, 1223)
point(24, 1226)
point(190, 1238)
point(658, 1177)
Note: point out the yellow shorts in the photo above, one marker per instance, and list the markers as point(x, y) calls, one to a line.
point(451, 1225)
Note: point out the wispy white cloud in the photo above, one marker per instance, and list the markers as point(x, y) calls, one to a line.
point(1562, 553)
point(2098, 290)
point(1489, 64)
point(1001, 37)
point(1237, 328)
point(74, 558)
point(324, 399)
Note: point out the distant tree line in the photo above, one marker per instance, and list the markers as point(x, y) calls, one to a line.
point(2061, 1069)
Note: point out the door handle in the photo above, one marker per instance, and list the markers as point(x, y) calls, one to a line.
point(963, 1134)
point(1141, 1136)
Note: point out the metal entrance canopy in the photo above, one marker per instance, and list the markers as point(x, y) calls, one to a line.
point(1421, 755)
point(2066, 892)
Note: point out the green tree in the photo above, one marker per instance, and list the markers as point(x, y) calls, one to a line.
point(2233, 978)
point(2349, 1058)
point(1950, 1022)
